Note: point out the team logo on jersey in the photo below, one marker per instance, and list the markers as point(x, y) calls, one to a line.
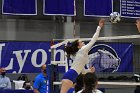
point(104, 58)
point(45, 81)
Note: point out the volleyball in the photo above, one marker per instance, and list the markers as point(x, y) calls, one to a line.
point(115, 17)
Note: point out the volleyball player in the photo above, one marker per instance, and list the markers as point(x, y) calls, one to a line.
point(79, 51)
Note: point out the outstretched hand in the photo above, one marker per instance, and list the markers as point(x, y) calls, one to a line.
point(101, 22)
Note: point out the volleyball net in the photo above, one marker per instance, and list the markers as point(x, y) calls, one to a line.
point(116, 60)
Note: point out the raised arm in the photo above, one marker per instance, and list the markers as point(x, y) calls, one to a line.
point(95, 36)
point(59, 44)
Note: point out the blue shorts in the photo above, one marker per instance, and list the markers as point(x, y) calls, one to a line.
point(71, 75)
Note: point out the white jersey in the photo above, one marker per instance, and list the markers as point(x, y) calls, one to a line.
point(81, 58)
point(95, 91)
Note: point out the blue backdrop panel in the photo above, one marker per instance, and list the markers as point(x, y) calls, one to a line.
point(24, 57)
point(15, 91)
point(130, 8)
point(27, 57)
point(59, 7)
point(20, 7)
point(97, 7)
point(110, 57)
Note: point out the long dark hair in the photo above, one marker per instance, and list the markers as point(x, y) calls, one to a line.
point(79, 83)
point(72, 48)
point(90, 81)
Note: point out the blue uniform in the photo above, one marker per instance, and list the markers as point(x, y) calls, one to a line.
point(40, 83)
point(71, 90)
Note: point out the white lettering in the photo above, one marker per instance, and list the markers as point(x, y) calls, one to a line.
point(62, 54)
point(1, 45)
point(10, 66)
point(34, 57)
point(21, 60)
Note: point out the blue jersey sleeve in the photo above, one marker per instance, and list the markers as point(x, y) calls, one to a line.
point(36, 83)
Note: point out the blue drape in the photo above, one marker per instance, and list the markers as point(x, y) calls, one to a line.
point(20, 7)
point(97, 7)
point(59, 7)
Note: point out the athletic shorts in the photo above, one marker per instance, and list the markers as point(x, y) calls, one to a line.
point(71, 75)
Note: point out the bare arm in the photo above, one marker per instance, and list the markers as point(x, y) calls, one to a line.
point(59, 44)
point(91, 69)
point(95, 36)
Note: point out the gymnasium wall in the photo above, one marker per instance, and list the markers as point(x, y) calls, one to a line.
point(46, 28)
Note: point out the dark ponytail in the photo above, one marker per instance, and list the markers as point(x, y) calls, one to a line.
point(72, 48)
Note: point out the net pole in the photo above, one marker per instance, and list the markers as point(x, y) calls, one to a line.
point(74, 22)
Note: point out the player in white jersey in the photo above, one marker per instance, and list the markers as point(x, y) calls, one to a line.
point(90, 84)
point(80, 52)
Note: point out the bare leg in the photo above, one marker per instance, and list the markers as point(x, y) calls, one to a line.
point(66, 85)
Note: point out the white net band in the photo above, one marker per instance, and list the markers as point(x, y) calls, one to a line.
point(103, 38)
point(110, 83)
